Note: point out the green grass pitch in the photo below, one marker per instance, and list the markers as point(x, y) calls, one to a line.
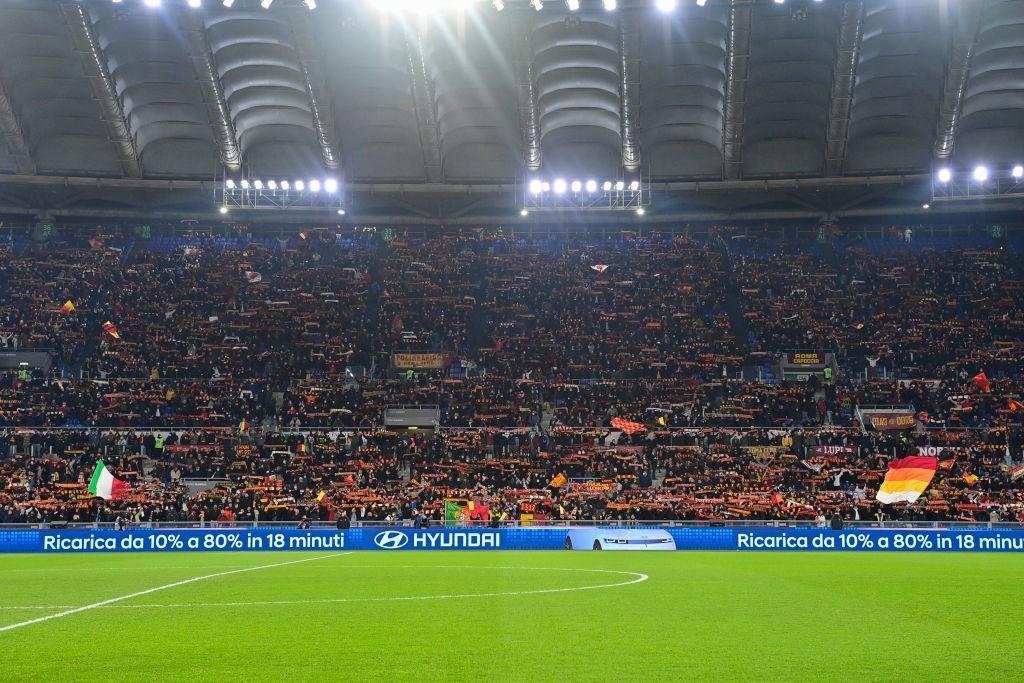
point(513, 616)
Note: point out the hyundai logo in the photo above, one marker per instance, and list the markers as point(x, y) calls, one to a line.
point(391, 540)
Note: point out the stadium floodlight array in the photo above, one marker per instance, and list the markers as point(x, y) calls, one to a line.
point(979, 181)
point(279, 193)
point(265, 4)
point(585, 193)
point(423, 6)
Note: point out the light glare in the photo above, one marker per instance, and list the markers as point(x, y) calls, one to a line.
point(1018, 171)
point(945, 175)
point(559, 186)
point(980, 174)
point(331, 185)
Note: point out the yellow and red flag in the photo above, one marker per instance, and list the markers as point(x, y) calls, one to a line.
point(628, 426)
point(304, 235)
point(599, 267)
point(111, 329)
point(68, 307)
point(559, 481)
point(982, 382)
point(907, 479)
point(243, 426)
point(1014, 405)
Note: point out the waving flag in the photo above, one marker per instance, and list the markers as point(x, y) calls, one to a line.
point(68, 307)
point(1014, 405)
point(628, 426)
point(243, 426)
point(599, 267)
point(907, 479)
point(111, 329)
point(1017, 472)
point(252, 277)
point(105, 485)
point(304, 235)
point(982, 382)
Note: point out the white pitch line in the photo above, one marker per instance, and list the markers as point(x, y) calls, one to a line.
point(640, 578)
point(104, 603)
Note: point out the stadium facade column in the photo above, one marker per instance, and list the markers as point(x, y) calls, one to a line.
point(521, 28)
point(851, 30)
point(316, 89)
point(629, 56)
point(416, 37)
point(94, 65)
point(17, 143)
point(213, 91)
point(736, 60)
point(958, 69)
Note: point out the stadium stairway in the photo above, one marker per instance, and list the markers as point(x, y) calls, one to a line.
point(732, 302)
point(478, 332)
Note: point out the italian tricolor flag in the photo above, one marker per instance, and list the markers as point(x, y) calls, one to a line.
point(105, 485)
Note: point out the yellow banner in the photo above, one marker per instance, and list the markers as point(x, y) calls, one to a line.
point(418, 361)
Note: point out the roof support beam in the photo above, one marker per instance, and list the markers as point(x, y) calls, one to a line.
point(10, 128)
point(94, 64)
point(213, 91)
point(423, 98)
point(521, 25)
point(958, 67)
point(629, 68)
point(320, 105)
point(737, 57)
point(851, 30)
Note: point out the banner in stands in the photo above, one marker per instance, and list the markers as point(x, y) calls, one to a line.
point(825, 451)
point(893, 421)
point(805, 358)
point(418, 361)
point(512, 538)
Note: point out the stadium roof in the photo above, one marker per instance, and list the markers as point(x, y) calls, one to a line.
point(712, 103)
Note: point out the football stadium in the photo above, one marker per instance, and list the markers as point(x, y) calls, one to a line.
point(511, 340)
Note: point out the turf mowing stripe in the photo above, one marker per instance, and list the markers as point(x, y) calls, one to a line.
point(640, 578)
point(103, 603)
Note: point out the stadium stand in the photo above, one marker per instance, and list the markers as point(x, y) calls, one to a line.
point(248, 379)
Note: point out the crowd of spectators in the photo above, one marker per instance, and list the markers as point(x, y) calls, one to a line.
point(263, 369)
